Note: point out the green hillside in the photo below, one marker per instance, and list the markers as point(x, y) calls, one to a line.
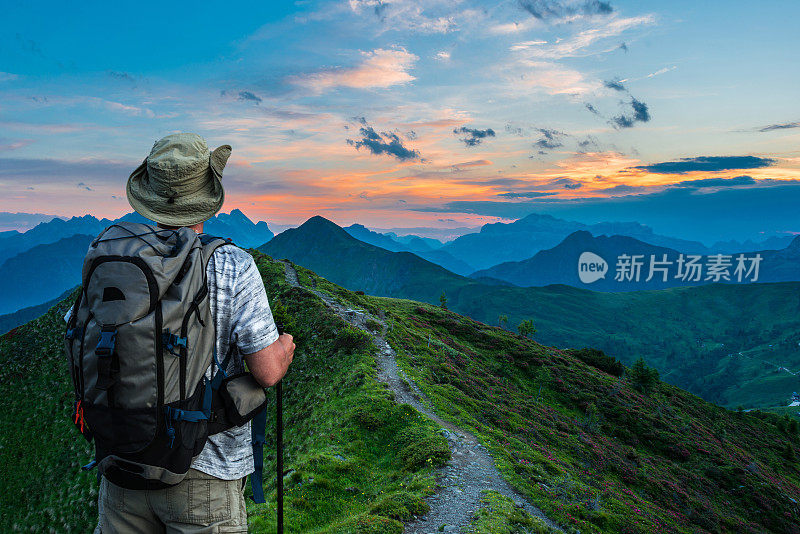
point(592, 450)
point(586, 447)
point(692, 335)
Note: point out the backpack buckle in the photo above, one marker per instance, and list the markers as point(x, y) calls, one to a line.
point(105, 347)
point(172, 342)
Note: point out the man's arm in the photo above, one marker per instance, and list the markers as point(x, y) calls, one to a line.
point(269, 364)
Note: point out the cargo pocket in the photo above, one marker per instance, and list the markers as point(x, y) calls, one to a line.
point(112, 496)
point(200, 500)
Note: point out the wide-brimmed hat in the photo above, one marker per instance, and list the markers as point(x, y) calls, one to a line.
point(178, 184)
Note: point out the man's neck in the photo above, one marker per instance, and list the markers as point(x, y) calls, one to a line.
point(196, 227)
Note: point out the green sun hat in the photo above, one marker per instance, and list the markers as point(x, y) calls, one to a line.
point(178, 184)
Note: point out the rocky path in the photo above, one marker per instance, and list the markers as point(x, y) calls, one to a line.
point(471, 469)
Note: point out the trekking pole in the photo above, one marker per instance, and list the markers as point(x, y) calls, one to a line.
point(279, 447)
point(279, 444)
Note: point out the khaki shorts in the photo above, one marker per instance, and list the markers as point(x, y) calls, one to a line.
point(200, 503)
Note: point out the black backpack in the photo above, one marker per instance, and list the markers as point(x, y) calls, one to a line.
point(139, 341)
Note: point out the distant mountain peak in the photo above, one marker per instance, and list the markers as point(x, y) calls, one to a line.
point(320, 221)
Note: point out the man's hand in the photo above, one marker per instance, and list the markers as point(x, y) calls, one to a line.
point(270, 363)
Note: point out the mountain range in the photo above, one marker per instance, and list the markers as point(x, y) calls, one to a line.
point(501, 242)
point(693, 335)
point(54, 251)
point(658, 267)
point(235, 225)
point(424, 248)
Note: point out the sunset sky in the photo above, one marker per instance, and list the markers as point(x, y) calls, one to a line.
point(683, 115)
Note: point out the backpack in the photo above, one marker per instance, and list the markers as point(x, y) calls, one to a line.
point(139, 341)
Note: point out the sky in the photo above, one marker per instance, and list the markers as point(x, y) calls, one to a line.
point(437, 113)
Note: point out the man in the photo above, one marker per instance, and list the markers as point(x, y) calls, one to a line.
point(178, 185)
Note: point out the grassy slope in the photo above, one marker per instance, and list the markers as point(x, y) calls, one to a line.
point(687, 333)
point(338, 421)
point(586, 447)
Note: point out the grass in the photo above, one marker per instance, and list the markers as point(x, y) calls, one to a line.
point(499, 515)
point(585, 445)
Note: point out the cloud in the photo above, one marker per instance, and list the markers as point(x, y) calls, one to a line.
point(580, 43)
point(58, 171)
point(717, 182)
point(616, 85)
point(473, 136)
point(380, 68)
point(661, 71)
point(707, 164)
point(123, 76)
point(515, 130)
point(620, 188)
point(8, 77)
point(783, 126)
point(554, 9)
point(589, 142)
point(418, 16)
point(384, 143)
point(550, 139)
point(555, 79)
point(640, 113)
point(8, 144)
point(733, 212)
point(526, 194)
point(568, 183)
point(247, 96)
point(467, 164)
point(442, 55)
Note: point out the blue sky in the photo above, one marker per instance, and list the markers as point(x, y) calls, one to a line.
point(430, 113)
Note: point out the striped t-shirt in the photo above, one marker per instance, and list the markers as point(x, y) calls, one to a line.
point(243, 318)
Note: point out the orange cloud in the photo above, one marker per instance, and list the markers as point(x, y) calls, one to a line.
point(379, 68)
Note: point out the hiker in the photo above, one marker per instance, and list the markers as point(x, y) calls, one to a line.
point(178, 186)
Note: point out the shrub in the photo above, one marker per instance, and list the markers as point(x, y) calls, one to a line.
point(642, 377)
point(599, 360)
point(401, 505)
point(421, 446)
point(370, 524)
point(351, 338)
point(526, 328)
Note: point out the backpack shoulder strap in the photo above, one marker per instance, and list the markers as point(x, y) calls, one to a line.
point(211, 243)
